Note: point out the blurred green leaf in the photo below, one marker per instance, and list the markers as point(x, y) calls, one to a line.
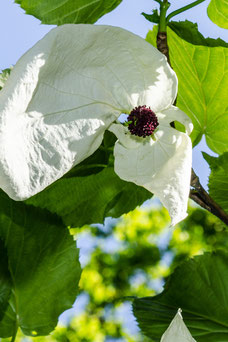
point(4, 76)
point(59, 12)
point(198, 67)
point(199, 287)
point(134, 267)
point(44, 267)
point(218, 180)
point(218, 12)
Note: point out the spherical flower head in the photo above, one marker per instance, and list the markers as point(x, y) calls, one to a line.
point(142, 121)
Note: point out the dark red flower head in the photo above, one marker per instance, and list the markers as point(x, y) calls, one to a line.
point(143, 121)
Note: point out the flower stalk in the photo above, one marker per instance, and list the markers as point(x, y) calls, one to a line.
point(13, 339)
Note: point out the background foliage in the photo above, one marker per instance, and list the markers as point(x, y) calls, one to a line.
point(133, 256)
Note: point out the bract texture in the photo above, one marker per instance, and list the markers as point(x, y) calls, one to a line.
point(63, 94)
point(161, 164)
point(177, 331)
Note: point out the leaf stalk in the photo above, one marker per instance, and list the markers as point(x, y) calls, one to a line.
point(163, 10)
point(15, 332)
point(183, 9)
point(162, 35)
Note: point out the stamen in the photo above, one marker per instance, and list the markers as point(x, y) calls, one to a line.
point(142, 121)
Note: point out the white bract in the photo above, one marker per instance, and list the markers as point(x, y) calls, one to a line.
point(161, 164)
point(177, 331)
point(68, 89)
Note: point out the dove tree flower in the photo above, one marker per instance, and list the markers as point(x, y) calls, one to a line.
point(177, 331)
point(68, 89)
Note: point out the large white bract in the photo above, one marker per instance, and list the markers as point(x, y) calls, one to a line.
point(177, 331)
point(68, 89)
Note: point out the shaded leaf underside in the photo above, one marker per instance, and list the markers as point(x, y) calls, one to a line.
point(43, 264)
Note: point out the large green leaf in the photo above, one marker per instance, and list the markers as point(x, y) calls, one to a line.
point(44, 267)
point(218, 180)
point(200, 288)
point(218, 12)
point(59, 12)
point(91, 190)
point(203, 79)
point(91, 198)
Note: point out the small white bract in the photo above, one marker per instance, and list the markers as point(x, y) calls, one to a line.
point(161, 164)
point(177, 331)
point(68, 89)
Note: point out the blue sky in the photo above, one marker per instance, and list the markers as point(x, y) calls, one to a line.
point(19, 32)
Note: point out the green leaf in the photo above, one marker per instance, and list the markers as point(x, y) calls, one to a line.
point(44, 267)
point(218, 12)
point(153, 18)
point(59, 12)
point(198, 67)
point(151, 36)
point(218, 180)
point(8, 323)
point(91, 198)
point(189, 32)
point(5, 280)
point(91, 190)
point(4, 76)
point(199, 287)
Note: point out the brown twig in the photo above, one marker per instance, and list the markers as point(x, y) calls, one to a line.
point(198, 194)
point(162, 45)
point(201, 197)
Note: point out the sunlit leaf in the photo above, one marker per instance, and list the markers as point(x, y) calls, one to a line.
point(198, 67)
point(59, 12)
point(218, 180)
point(218, 12)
